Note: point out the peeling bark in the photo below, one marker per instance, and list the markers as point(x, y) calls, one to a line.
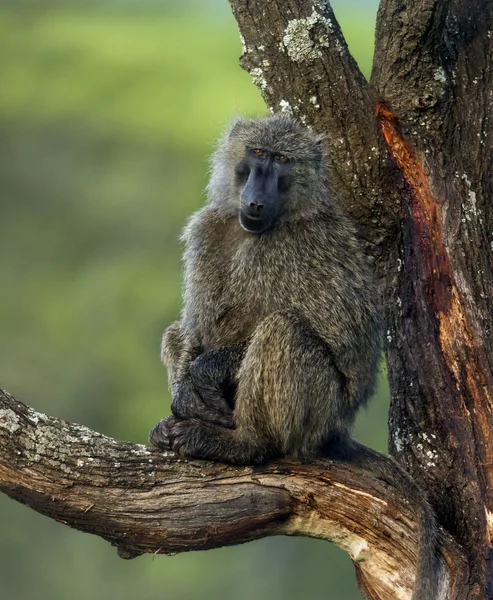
point(143, 500)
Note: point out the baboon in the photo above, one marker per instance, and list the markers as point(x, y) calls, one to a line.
point(280, 335)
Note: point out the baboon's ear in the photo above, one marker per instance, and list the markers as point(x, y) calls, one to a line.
point(235, 127)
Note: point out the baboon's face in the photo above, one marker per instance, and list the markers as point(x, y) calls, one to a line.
point(263, 180)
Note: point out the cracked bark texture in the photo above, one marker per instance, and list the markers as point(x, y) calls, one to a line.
point(410, 155)
point(411, 161)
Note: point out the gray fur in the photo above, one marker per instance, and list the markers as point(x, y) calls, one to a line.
point(279, 339)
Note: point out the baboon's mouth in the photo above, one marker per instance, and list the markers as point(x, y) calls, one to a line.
point(255, 224)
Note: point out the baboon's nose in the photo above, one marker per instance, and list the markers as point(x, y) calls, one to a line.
point(256, 208)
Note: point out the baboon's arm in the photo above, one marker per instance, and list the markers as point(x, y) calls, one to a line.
point(202, 386)
point(177, 352)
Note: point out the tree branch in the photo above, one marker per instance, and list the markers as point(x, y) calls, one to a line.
point(143, 500)
point(299, 60)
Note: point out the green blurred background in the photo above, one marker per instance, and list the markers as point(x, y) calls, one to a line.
point(108, 112)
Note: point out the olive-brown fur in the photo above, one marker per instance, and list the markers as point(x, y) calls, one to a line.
point(301, 297)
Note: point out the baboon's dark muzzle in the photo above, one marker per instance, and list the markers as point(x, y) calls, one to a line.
point(259, 200)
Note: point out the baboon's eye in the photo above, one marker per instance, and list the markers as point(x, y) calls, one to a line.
point(282, 158)
point(258, 152)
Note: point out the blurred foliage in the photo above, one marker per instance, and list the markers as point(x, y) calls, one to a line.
point(108, 112)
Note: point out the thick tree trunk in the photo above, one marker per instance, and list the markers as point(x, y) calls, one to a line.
point(411, 161)
point(426, 213)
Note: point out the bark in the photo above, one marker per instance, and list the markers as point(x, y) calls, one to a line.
point(410, 155)
point(144, 500)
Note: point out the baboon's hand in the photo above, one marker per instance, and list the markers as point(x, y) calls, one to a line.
point(216, 370)
point(188, 438)
point(191, 401)
point(159, 434)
